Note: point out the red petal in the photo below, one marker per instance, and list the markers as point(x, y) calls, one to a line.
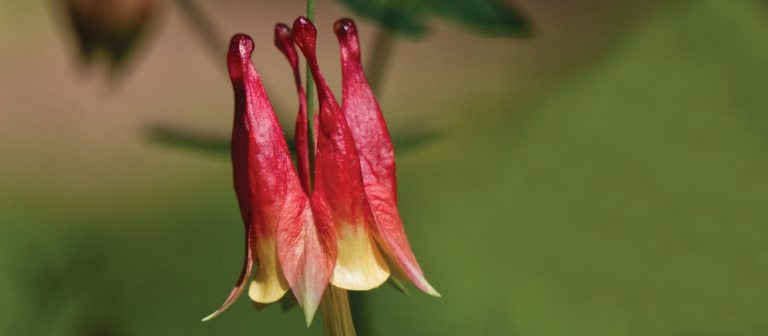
point(307, 254)
point(376, 152)
point(339, 184)
point(267, 188)
point(284, 42)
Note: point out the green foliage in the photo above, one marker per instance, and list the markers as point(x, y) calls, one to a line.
point(408, 17)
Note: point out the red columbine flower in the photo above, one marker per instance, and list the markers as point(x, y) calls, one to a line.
point(274, 207)
point(347, 230)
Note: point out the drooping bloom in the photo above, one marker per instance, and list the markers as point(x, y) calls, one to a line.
point(111, 29)
point(345, 229)
point(268, 190)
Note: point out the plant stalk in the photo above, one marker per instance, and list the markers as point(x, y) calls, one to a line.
point(310, 98)
point(337, 318)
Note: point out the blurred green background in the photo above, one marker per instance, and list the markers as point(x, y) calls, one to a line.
point(607, 175)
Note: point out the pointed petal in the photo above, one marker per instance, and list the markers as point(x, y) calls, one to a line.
point(284, 42)
point(309, 264)
point(338, 183)
point(390, 231)
point(241, 281)
point(377, 157)
point(307, 254)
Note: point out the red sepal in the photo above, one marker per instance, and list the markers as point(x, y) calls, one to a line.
point(339, 183)
point(377, 156)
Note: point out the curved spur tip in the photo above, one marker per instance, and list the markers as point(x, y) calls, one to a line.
point(282, 33)
point(344, 27)
point(303, 28)
point(241, 45)
point(210, 317)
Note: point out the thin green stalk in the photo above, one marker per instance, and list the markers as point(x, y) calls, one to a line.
point(311, 98)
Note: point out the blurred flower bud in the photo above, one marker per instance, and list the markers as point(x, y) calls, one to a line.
point(109, 28)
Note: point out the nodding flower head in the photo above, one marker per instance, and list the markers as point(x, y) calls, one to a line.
point(336, 225)
point(109, 31)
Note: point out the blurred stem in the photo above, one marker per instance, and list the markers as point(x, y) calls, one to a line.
point(337, 318)
point(205, 29)
point(310, 97)
point(381, 52)
point(211, 39)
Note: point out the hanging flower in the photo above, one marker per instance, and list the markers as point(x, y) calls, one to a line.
point(345, 228)
point(109, 28)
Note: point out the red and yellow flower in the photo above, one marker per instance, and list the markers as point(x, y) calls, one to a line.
point(345, 228)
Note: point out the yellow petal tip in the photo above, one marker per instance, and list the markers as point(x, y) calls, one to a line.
point(427, 288)
point(210, 317)
point(309, 311)
point(431, 291)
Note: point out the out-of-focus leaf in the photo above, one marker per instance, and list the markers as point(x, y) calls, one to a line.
point(408, 16)
point(192, 140)
point(486, 16)
point(397, 16)
point(409, 141)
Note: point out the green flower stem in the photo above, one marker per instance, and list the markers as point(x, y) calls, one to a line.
point(337, 318)
point(311, 100)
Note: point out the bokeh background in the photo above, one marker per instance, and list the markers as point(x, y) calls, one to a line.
point(605, 175)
